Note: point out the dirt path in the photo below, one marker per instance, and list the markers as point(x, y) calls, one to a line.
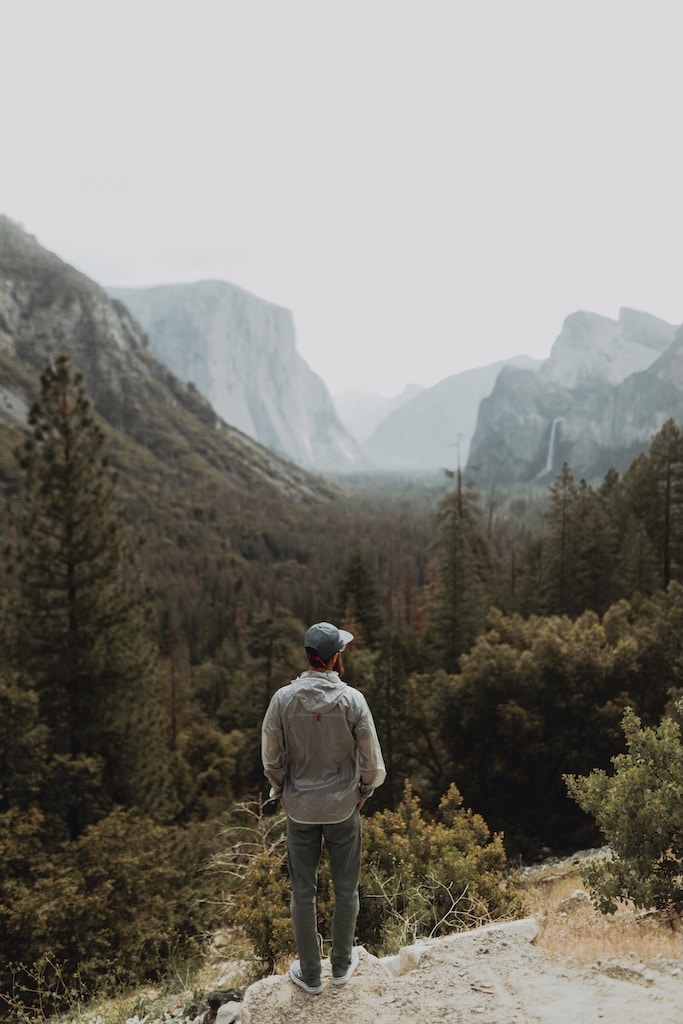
point(495, 975)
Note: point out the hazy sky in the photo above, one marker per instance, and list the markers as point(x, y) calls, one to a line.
point(429, 185)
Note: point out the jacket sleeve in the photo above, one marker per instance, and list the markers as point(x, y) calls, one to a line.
point(370, 759)
point(273, 748)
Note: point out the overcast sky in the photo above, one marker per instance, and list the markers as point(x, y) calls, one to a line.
point(429, 185)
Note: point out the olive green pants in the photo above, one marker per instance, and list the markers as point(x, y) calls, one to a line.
point(343, 841)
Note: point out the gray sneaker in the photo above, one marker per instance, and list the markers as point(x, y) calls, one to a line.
point(340, 975)
point(313, 986)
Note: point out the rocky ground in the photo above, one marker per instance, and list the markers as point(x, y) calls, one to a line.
point(496, 975)
point(565, 964)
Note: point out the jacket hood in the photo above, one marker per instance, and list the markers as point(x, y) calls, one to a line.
point(319, 691)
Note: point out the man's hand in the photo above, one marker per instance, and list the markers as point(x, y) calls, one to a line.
point(360, 803)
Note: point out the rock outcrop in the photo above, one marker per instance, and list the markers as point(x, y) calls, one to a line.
point(239, 352)
point(596, 403)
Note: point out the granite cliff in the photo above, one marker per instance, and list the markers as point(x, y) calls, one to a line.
point(239, 352)
point(597, 402)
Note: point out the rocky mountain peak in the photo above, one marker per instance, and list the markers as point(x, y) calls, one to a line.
point(598, 401)
point(239, 351)
point(592, 350)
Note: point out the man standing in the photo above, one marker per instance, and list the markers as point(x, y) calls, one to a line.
point(323, 760)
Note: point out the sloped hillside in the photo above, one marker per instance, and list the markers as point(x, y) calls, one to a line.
point(48, 307)
point(229, 526)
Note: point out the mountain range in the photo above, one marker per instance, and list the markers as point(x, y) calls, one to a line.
point(157, 361)
point(433, 430)
point(597, 401)
point(361, 412)
point(239, 352)
point(47, 307)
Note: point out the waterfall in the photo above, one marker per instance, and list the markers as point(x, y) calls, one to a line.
point(550, 457)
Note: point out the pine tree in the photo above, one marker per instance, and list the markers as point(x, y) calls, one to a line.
point(639, 810)
point(666, 456)
point(22, 744)
point(79, 611)
point(558, 547)
point(596, 553)
point(635, 562)
point(359, 598)
point(654, 494)
point(462, 576)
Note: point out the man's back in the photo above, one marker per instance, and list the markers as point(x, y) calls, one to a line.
point(332, 757)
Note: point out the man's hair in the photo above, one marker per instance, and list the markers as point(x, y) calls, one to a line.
point(314, 659)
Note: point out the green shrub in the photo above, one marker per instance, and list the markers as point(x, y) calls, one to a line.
point(255, 889)
point(419, 878)
point(639, 809)
point(109, 909)
point(261, 909)
point(428, 877)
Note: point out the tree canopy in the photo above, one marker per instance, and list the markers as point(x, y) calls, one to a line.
point(498, 642)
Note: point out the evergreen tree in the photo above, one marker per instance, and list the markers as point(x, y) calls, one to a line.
point(558, 547)
point(596, 553)
point(359, 598)
point(462, 576)
point(79, 611)
point(666, 455)
point(22, 744)
point(639, 810)
point(275, 646)
point(634, 557)
point(271, 655)
point(382, 675)
point(654, 492)
point(533, 698)
point(580, 548)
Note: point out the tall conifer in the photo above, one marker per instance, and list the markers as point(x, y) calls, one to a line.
point(462, 576)
point(666, 456)
point(559, 552)
point(359, 597)
point(79, 611)
point(654, 493)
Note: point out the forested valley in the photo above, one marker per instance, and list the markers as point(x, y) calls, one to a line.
point(499, 638)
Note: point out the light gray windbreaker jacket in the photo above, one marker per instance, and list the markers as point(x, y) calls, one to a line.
point(320, 749)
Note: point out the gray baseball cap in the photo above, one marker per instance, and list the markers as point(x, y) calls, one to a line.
point(326, 639)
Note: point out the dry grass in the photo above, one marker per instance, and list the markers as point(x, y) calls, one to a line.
point(569, 928)
point(573, 929)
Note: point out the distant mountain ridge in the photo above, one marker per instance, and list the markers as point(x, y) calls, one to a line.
point(596, 402)
point(432, 431)
point(600, 398)
point(239, 351)
point(361, 412)
point(593, 350)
